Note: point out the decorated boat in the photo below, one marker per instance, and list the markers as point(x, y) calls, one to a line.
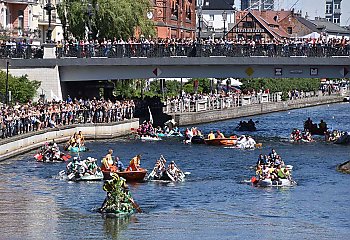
point(77, 149)
point(118, 202)
point(50, 152)
point(161, 172)
point(232, 141)
point(129, 176)
point(61, 157)
point(82, 170)
point(150, 138)
point(277, 183)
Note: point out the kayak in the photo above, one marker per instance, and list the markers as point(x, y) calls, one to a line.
point(77, 149)
point(221, 141)
point(279, 183)
point(129, 176)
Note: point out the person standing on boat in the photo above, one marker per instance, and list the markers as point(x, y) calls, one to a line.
point(135, 163)
point(108, 163)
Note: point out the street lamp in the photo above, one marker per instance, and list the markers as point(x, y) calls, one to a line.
point(199, 14)
point(224, 18)
point(49, 8)
point(90, 13)
point(7, 83)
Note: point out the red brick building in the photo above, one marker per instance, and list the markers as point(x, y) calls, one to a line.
point(174, 18)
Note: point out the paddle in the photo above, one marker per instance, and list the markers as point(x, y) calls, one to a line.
point(135, 205)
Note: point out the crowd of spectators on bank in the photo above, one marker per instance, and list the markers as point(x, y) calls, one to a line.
point(154, 47)
point(23, 118)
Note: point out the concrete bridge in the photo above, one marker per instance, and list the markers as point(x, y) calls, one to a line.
point(62, 76)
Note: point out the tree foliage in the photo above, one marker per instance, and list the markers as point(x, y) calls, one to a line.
point(22, 89)
point(283, 85)
point(105, 18)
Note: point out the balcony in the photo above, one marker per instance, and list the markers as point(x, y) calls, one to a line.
point(22, 1)
point(337, 11)
point(43, 18)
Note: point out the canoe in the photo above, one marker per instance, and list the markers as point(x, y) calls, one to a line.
point(280, 183)
point(221, 141)
point(77, 149)
point(130, 176)
point(166, 176)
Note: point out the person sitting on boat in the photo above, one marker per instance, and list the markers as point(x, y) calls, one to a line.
point(273, 154)
point(135, 163)
point(120, 165)
point(72, 141)
point(242, 142)
point(265, 172)
point(219, 134)
point(108, 163)
point(80, 139)
point(250, 142)
point(91, 165)
point(307, 136)
point(173, 170)
point(211, 135)
point(72, 166)
point(323, 126)
point(282, 173)
point(274, 175)
point(261, 160)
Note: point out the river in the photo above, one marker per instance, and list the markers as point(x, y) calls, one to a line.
point(213, 202)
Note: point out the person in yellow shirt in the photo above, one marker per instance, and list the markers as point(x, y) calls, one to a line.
point(211, 135)
point(135, 163)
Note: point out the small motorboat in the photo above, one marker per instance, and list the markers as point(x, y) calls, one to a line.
point(130, 176)
point(232, 141)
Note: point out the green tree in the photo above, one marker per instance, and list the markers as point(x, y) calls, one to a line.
point(106, 18)
point(203, 85)
point(283, 85)
point(22, 89)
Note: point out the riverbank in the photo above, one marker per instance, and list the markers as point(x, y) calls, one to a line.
point(192, 118)
point(23, 143)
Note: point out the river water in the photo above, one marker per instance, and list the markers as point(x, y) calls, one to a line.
point(213, 202)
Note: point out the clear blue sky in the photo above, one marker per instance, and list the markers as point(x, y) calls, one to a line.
point(314, 8)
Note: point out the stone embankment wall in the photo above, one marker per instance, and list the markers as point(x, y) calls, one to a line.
point(23, 143)
point(250, 110)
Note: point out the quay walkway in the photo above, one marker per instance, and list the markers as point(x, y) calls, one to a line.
point(204, 111)
point(19, 144)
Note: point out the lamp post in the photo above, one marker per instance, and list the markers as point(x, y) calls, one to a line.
point(224, 18)
point(49, 8)
point(90, 13)
point(7, 83)
point(199, 14)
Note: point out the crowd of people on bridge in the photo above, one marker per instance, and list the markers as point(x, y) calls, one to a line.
point(156, 47)
point(23, 118)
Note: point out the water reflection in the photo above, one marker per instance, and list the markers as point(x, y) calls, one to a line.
point(113, 226)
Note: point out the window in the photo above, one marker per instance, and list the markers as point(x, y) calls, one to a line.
point(290, 30)
point(336, 6)
point(328, 8)
point(211, 17)
point(328, 19)
point(247, 24)
point(336, 20)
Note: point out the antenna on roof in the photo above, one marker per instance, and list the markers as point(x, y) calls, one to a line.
point(294, 4)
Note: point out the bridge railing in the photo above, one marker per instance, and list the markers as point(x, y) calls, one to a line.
point(148, 50)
